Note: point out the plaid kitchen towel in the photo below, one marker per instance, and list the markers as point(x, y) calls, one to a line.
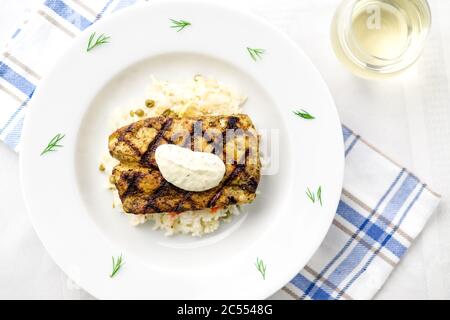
point(382, 209)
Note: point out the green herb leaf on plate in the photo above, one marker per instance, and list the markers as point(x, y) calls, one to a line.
point(313, 196)
point(304, 114)
point(116, 265)
point(319, 195)
point(261, 267)
point(95, 42)
point(179, 24)
point(255, 53)
point(53, 144)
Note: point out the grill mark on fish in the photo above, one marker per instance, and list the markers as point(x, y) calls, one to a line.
point(150, 202)
point(240, 167)
point(152, 145)
point(216, 141)
point(186, 197)
point(132, 180)
point(152, 167)
point(195, 134)
point(227, 181)
point(232, 200)
point(124, 139)
point(251, 184)
point(232, 122)
point(231, 125)
point(152, 206)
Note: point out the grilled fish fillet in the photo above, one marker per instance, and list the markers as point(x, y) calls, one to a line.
point(143, 190)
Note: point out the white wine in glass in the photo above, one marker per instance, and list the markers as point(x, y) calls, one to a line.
point(380, 38)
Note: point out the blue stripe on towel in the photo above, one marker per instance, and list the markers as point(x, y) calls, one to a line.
point(100, 14)
point(16, 80)
point(67, 13)
point(373, 230)
point(346, 132)
point(350, 147)
point(16, 33)
point(400, 197)
point(124, 3)
point(350, 241)
point(13, 137)
point(357, 254)
point(14, 115)
point(385, 241)
point(302, 283)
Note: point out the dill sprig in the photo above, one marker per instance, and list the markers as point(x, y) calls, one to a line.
point(261, 267)
point(93, 42)
point(311, 195)
point(53, 144)
point(304, 114)
point(179, 24)
point(255, 53)
point(319, 195)
point(315, 196)
point(116, 264)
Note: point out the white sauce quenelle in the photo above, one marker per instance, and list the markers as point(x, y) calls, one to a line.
point(189, 170)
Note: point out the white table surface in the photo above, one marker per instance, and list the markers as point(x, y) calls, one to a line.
point(407, 117)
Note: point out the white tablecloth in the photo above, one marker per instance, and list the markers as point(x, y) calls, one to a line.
point(407, 117)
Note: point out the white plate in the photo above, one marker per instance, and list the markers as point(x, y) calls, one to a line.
point(64, 191)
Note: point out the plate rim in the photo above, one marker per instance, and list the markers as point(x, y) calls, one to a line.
point(235, 10)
